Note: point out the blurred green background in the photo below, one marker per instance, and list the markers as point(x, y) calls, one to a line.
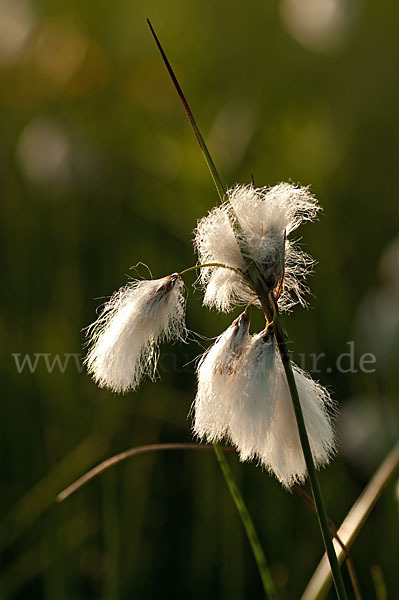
point(99, 170)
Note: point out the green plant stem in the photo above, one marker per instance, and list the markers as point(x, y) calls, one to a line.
point(248, 524)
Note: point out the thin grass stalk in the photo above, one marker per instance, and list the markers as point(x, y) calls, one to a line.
point(248, 524)
point(117, 458)
point(263, 292)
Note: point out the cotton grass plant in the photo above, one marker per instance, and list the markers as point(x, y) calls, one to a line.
point(249, 393)
point(243, 396)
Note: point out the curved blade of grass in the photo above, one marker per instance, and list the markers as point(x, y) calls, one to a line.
point(110, 462)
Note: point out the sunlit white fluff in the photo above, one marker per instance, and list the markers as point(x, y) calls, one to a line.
point(215, 242)
point(251, 407)
point(123, 341)
point(285, 450)
point(266, 216)
point(226, 288)
point(212, 404)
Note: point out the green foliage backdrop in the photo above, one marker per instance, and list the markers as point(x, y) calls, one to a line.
point(99, 170)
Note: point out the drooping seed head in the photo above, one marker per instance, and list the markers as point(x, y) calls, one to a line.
point(123, 341)
point(216, 372)
point(250, 406)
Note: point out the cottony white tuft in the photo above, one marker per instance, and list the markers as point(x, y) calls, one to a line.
point(215, 241)
point(212, 404)
point(251, 407)
point(285, 451)
point(266, 217)
point(123, 341)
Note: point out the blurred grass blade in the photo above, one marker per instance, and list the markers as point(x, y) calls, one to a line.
point(211, 166)
point(320, 583)
point(249, 526)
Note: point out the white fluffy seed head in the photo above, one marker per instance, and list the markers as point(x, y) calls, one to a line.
point(215, 372)
point(266, 216)
point(123, 341)
point(251, 407)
